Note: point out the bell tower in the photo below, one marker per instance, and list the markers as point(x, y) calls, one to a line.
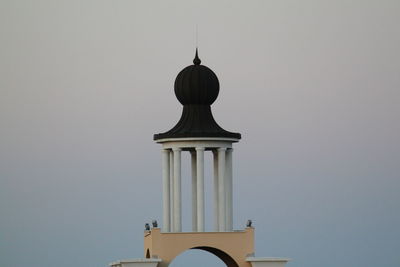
point(196, 88)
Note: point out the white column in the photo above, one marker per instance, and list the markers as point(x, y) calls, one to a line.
point(171, 187)
point(200, 188)
point(229, 191)
point(221, 189)
point(216, 205)
point(166, 196)
point(177, 191)
point(194, 190)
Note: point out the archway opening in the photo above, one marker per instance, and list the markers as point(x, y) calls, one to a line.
point(203, 256)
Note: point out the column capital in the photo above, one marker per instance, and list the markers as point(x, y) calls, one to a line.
point(222, 149)
point(200, 148)
point(176, 149)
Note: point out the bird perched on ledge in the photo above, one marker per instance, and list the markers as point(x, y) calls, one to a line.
point(249, 223)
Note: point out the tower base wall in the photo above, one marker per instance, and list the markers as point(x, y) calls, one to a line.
point(231, 247)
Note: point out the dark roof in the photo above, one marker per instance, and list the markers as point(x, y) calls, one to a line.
point(196, 88)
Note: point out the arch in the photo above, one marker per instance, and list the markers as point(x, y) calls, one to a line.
point(232, 248)
point(223, 256)
point(148, 254)
point(228, 260)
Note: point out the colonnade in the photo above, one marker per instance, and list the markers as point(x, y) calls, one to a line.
point(172, 192)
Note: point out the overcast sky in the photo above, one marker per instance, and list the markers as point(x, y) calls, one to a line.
point(312, 86)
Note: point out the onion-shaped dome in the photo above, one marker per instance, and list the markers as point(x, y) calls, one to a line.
point(196, 84)
point(196, 88)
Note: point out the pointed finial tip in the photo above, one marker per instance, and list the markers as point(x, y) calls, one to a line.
point(196, 60)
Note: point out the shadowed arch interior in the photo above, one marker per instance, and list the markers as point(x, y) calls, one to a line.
point(148, 254)
point(228, 260)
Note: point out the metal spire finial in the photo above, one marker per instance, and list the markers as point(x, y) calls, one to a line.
point(196, 59)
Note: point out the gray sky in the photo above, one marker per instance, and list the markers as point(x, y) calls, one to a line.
point(313, 86)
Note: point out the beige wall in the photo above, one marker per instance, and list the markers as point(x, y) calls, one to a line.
point(227, 246)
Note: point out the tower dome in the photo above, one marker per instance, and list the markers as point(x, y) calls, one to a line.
point(196, 84)
point(196, 87)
